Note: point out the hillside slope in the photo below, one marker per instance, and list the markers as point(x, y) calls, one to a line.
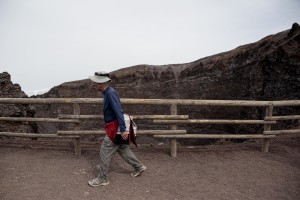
point(265, 70)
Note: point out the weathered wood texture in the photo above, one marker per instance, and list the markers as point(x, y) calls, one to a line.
point(77, 144)
point(145, 117)
point(27, 119)
point(216, 136)
point(213, 121)
point(267, 127)
point(173, 119)
point(139, 132)
point(36, 135)
point(151, 101)
point(277, 118)
point(174, 111)
point(278, 132)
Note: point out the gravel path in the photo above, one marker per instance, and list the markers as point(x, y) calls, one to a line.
point(34, 170)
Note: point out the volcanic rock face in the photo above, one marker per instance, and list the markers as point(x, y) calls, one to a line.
point(266, 70)
point(10, 90)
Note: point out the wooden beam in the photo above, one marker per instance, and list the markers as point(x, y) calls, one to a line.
point(267, 127)
point(27, 119)
point(35, 135)
point(173, 127)
point(288, 117)
point(146, 117)
point(286, 103)
point(81, 132)
point(213, 121)
point(278, 132)
point(196, 102)
point(77, 144)
point(216, 136)
point(161, 116)
point(173, 148)
point(151, 101)
point(63, 116)
point(139, 132)
point(136, 101)
point(50, 100)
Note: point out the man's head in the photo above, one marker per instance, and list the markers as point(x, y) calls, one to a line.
point(101, 80)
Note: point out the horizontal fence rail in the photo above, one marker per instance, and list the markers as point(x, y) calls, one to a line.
point(26, 119)
point(217, 136)
point(249, 103)
point(102, 132)
point(213, 121)
point(36, 135)
point(276, 132)
point(282, 117)
point(135, 116)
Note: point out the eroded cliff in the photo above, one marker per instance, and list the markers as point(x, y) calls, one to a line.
point(10, 90)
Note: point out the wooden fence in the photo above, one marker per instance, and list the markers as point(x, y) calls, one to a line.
point(173, 119)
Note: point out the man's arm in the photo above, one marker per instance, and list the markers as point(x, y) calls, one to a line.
point(117, 108)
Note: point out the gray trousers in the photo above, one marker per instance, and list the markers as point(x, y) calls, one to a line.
point(108, 149)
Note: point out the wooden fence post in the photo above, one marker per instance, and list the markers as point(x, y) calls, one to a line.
point(173, 127)
point(77, 145)
point(267, 127)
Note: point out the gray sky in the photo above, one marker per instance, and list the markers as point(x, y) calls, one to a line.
point(44, 43)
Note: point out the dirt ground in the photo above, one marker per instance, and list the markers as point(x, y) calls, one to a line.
point(41, 170)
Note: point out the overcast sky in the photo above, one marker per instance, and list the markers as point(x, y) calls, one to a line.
point(44, 43)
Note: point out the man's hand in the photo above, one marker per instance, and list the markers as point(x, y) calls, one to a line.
point(125, 135)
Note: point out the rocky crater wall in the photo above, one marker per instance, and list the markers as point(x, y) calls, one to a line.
point(265, 70)
point(10, 90)
point(268, 69)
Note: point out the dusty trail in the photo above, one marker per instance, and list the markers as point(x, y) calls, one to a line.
point(227, 171)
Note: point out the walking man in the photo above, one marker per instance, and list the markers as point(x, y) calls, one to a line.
point(114, 122)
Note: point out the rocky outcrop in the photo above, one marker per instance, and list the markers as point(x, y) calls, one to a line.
point(265, 70)
point(10, 90)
